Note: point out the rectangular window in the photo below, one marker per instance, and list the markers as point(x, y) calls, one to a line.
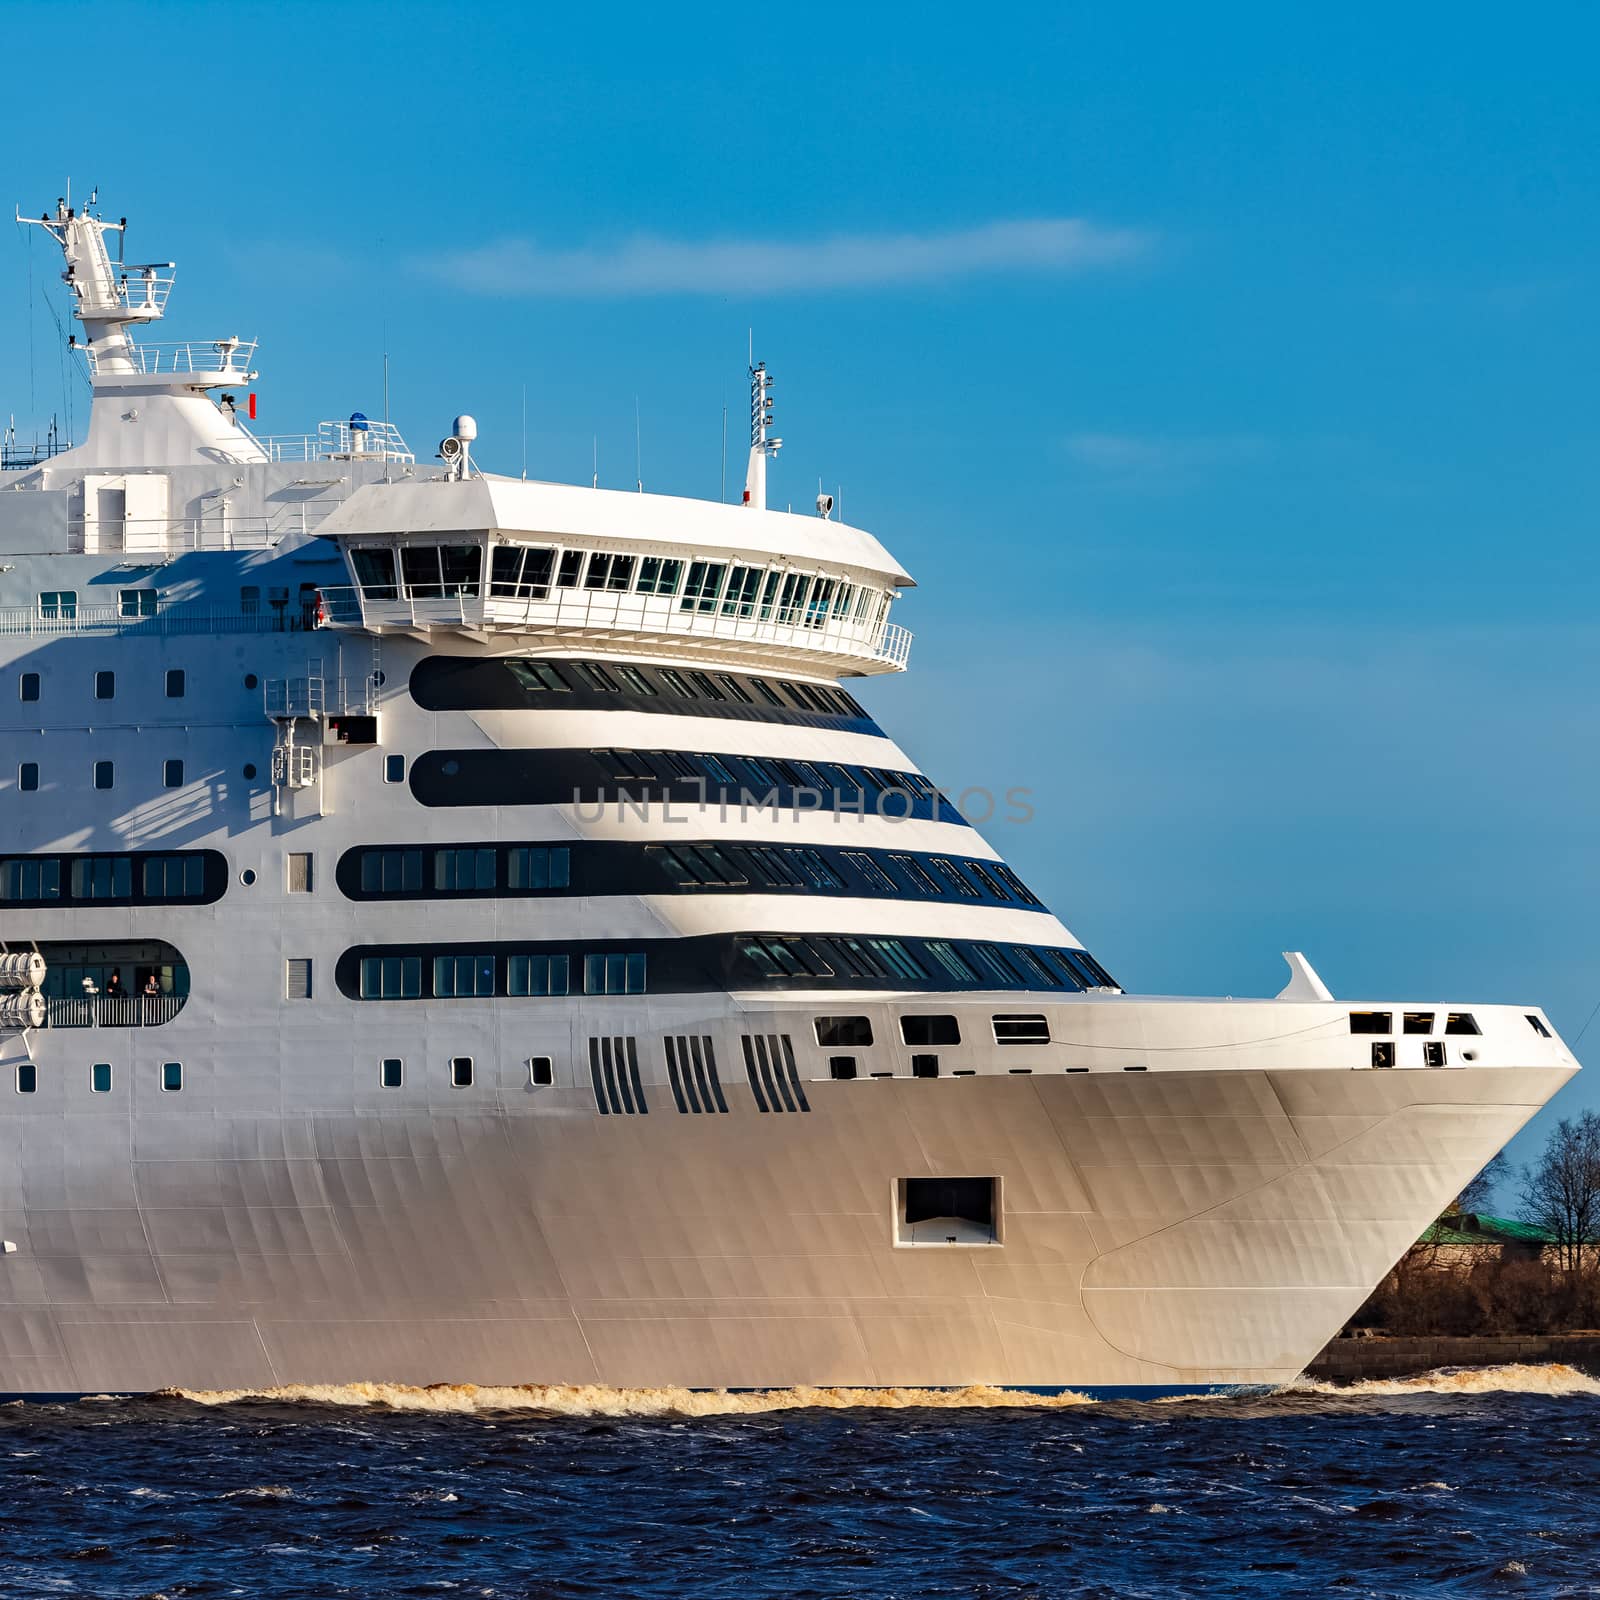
point(171, 1076)
point(35, 878)
point(28, 776)
point(744, 584)
point(926, 1030)
point(539, 867)
point(165, 877)
point(814, 868)
point(27, 1077)
point(541, 1070)
point(1461, 1022)
point(391, 871)
point(105, 877)
point(842, 1068)
point(924, 1066)
point(1432, 1052)
point(460, 566)
point(850, 1032)
point(609, 572)
point(391, 977)
point(374, 570)
point(876, 878)
point(1033, 967)
point(463, 870)
point(105, 686)
point(102, 774)
point(614, 974)
point(636, 682)
point(571, 567)
point(61, 604)
point(953, 877)
point(172, 774)
point(1372, 1022)
point(100, 1077)
point(657, 576)
point(136, 602)
point(767, 692)
point(915, 876)
point(1418, 1022)
point(28, 687)
point(461, 1072)
point(1537, 1024)
point(1010, 1029)
point(300, 872)
point(704, 584)
point(249, 600)
point(175, 683)
point(951, 959)
point(534, 976)
point(394, 769)
point(1383, 1052)
point(980, 875)
point(538, 677)
point(463, 977)
point(391, 1072)
point(898, 959)
point(297, 978)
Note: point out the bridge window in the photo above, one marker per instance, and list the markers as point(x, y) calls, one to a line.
point(374, 570)
point(744, 584)
point(704, 584)
point(658, 576)
point(521, 574)
point(609, 572)
point(571, 567)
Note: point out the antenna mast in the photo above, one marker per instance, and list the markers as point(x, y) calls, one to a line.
point(762, 442)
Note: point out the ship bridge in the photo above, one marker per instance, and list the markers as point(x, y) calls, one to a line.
point(564, 568)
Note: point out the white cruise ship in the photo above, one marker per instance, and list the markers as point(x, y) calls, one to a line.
point(466, 929)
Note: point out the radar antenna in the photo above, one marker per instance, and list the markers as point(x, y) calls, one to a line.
point(762, 441)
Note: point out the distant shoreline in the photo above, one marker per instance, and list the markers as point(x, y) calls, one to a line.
point(1347, 1360)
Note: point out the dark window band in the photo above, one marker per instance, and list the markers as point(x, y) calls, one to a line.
point(684, 777)
point(709, 964)
point(121, 878)
point(511, 683)
point(461, 871)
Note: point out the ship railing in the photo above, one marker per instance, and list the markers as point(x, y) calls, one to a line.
point(113, 1011)
point(351, 440)
point(635, 618)
point(167, 621)
point(178, 535)
point(320, 697)
point(208, 356)
point(146, 290)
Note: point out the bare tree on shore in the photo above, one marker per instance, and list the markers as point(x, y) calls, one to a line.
point(1478, 1195)
point(1561, 1191)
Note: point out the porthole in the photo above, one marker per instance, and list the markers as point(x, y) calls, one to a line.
point(251, 680)
point(249, 770)
point(247, 877)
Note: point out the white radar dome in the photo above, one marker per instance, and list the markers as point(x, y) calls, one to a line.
point(465, 427)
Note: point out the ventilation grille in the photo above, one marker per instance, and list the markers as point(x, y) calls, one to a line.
point(297, 978)
point(769, 1064)
point(692, 1066)
point(614, 1068)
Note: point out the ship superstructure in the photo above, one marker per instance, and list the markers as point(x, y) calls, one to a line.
point(462, 928)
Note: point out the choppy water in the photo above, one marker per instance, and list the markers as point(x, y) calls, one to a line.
point(1455, 1485)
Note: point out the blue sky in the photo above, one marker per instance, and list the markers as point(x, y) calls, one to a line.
point(1228, 378)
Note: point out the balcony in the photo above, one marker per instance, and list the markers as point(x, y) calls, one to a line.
point(211, 359)
point(102, 1011)
point(568, 618)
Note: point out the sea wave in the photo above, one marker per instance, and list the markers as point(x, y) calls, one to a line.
point(595, 1400)
point(1548, 1378)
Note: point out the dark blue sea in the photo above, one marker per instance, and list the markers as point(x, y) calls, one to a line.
point(1481, 1484)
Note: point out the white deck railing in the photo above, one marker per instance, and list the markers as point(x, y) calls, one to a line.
point(633, 619)
point(340, 441)
point(318, 696)
point(168, 621)
point(209, 356)
point(107, 1011)
point(179, 535)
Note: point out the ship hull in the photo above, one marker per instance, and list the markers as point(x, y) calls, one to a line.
point(1158, 1232)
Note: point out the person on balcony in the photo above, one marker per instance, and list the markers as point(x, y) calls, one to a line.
point(152, 987)
point(114, 989)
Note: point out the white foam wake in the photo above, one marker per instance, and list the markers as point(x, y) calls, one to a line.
point(1551, 1378)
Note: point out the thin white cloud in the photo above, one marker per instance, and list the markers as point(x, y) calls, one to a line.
point(1161, 455)
point(648, 264)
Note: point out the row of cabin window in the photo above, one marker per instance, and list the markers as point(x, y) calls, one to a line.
point(974, 962)
point(30, 685)
point(457, 977)
point(104, 775)
point(518, 572)
point(1458, 1022)
point(553, 677)
point(450, 869)
point(392, 1071)
point(757, 775)
point(102, 877)
point(99, 1077)
point(62, 604)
